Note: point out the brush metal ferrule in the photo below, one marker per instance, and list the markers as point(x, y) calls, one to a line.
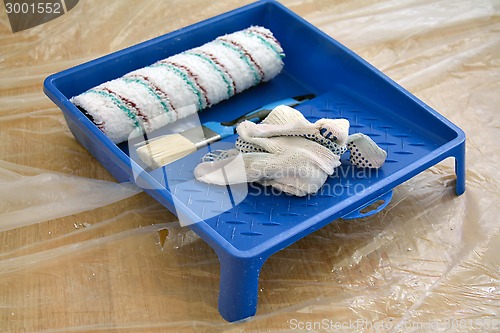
point(201, 136)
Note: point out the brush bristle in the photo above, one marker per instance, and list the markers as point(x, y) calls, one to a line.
point(165, 150)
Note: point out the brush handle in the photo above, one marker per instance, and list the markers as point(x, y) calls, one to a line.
point(227, 128)
point(254, 116)
point(262, 112)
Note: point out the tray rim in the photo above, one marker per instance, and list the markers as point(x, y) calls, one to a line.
point(205, 231)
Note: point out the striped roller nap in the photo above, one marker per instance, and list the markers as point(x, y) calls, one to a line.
point(183, 84)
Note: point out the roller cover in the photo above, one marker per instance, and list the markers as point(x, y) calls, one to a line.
point(183, 84)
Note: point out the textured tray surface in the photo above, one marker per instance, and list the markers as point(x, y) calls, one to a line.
point(244, 234)
point(411, 132)
point(263, 214)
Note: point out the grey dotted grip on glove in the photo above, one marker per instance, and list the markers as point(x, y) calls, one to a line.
point(288, 152)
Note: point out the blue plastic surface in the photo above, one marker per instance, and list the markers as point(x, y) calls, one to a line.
point(225, 131)
point(358, 213)
point(245, 234)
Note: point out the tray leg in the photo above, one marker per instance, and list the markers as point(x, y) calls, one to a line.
point(460, 170)
point(239, 280)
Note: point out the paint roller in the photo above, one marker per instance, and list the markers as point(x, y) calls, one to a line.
point(173, 88)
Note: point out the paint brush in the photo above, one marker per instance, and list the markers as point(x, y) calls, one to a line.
point(166, 149)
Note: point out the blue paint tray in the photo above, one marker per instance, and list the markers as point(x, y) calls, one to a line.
point(248, 224)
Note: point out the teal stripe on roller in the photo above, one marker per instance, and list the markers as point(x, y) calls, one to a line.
point(186, 79)
point(150, 91)
point(244, 57)
point(119, 104)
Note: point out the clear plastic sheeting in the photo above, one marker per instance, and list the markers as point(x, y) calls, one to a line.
point(79, 252)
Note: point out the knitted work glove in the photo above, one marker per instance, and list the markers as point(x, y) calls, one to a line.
point(288, 152)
